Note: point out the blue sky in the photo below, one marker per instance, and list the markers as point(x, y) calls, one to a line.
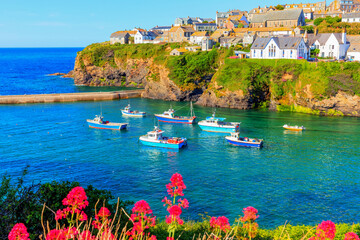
point(78, 23)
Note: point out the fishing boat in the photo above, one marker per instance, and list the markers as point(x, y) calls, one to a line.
point(170, 117)
point(156, 139)
point(236, 140)
point(127, 112)
point(215, 124)
point(98, 122)
point(294, 128)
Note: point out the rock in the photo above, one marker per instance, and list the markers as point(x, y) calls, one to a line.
point(57, 74)
point(69, 74)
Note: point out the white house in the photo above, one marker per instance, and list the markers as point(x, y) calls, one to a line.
point(351, 17)
point(353, 53)
point(279, 47)
point(143, 36)
point(197, 37)
point(331, 45)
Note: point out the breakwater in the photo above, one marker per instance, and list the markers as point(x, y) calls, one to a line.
point(70, 97)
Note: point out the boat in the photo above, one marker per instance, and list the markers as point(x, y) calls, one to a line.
point(127, 112)
point(294, 128)
point(98, 122)
point(170, 117)
point(156, 139)
point(236, 140)
point(215, 124)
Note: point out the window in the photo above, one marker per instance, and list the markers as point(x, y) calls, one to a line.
point(261, 53)
point(283, 55)
point(291, 53)
point(272, 50)
point(254, 53)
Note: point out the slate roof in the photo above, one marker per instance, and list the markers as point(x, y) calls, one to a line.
point(351, 15)
point(323, 38)
point(354, 43)
point(222, 14)
point(119, 34)
point(148, 33)
point(199, 34)
point(292, 14)
point(161, 28)
point(282, 42)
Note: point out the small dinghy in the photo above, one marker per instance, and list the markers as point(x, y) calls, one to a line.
point(127, 112)
point(236, 140)
point(99, 123)
point(294, 128)
point(155, 139)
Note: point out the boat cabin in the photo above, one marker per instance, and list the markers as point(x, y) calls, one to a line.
point(99, 119)
point(169, 113)
point(127, 108)
point(155, 134)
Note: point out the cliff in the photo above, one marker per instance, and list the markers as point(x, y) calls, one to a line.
point(211, 79)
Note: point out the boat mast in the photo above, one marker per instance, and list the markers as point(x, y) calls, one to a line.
point(191, 109)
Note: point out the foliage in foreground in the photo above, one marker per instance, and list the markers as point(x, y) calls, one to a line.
point(73, 223)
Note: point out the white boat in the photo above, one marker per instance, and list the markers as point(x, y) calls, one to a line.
point(127, 112)
point(99, 123)
point(156, 139)
point(214, 124)
point(236, 140)
point(294, 128)
point(170, 117)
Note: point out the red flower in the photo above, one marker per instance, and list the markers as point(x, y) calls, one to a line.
point(251, 229)
point(221, 223)
point(153, 237)
point(249, 214)
point(76, 199)
point(169, 238)
point(86, 235)
point(326, 230)
point(351, 236)
point(103, 213)
point(176, 185)
point(167, 201)
point(19, 232)
point(175, 210)
point(54, 235)
point(174, 219)
point(184, 203)
point(142, 207)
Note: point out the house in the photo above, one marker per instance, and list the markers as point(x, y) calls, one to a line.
point(260, 10)
point(191, 20)
point(180, 33)
point(211, 27)
point(231, 24)
point(221, 17)
point(120, 37)
point(309, 8)
point(197, 37)
point(193, 48)
point(331, 45)
point(220, 33)
point(353, 53)
point(279, 47)
point(143, 36)
point(207, 44)
point(285, 18)
point(230, 41)
point(351, 17)
point(178, 51)
point(267, 31)
point(161, 29)
point(242, 54)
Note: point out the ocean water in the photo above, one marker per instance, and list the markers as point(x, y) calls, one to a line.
point(302, 178)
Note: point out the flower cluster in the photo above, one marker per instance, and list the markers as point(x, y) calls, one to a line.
point(75, 201)
point(248, 221)
point(176, 186)
point(19, 232)
point(351, 236)
point(64, 234)
point(249, 214)
point(325, 231)
point(101, 219)
point(141, 221)
point(220, 224)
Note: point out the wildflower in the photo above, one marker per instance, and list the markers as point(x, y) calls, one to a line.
point(326, 230)
point(176, 186)
point(167, 201)
point(169, 238)
point(103, 213)
point(69, 233)
point(86, 235)
point(174, 219)
point(221, 223)
point(351, 236)
point(249, 214)
point(76, 199)
point(19, 232)
point(54, 235)
point(251, 229)
point(184, 203)
point(175, 210)
point(142, 207)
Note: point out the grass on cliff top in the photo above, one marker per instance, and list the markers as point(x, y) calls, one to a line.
point(286, 76)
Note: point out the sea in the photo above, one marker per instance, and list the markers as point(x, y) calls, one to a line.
point(297, 177)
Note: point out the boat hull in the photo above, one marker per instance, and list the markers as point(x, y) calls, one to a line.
point(244, 143)
point(220, 128)
point(139, 114)
point(175, 120)
point(162, 144)
point(294, 129)
point(108, 126)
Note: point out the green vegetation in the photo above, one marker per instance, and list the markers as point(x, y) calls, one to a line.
point(279, 7)
point(328, 19)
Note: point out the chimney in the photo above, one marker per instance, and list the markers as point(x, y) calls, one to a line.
point(305, 36)
point(343, 36)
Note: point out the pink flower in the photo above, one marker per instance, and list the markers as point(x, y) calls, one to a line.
point(326, 230)
point(221, 223)
point(249, 214)
point(76, 199)
point(173, 219)
point(142, 207)
point(86, 235)
point(184, 203)
point(54, 235)
point(169, 238)
point(83, 216)
point(69, 233)
point(103, 213)
point(351, 236)
point(166, 201)
point(176, 185)
point(153, 237)
point(19, 232)
point(175, 210)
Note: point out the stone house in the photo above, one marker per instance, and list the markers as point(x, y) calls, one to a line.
point(331, 45)
point(120, 37)
point(230, 41)
point(220, 33)
point(285, 18)
point(221, 17)
point(353, 53)
point(180, 33)
point(279, 48)
point(193, 48)
point(210, 27)
point(197, 37)
point(178, 51)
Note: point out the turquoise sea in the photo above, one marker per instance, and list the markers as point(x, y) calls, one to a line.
point(302, 178)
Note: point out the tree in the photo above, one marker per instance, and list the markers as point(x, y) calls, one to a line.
point(318, 21)
point(279, 7)
point(240, 25)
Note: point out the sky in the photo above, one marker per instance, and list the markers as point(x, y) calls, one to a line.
point(78, 23)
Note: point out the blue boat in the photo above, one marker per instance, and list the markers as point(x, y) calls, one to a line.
point(170, 117)
point(155, 139)
point(99, 123)
point(127, 112)
point(236, 140)
point(214, 124)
